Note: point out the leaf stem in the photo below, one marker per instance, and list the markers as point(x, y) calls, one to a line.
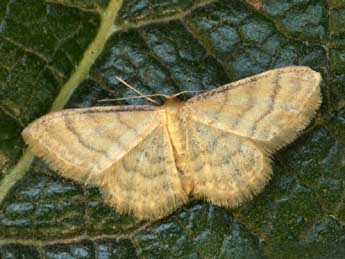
point(93, 51)
point(17, 173)
point(80, 73)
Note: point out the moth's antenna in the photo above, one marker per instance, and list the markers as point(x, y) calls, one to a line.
point(184, 92)
point(136, 91)
point(131, 97)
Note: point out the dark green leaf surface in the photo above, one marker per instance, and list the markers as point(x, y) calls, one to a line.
point(164, 47)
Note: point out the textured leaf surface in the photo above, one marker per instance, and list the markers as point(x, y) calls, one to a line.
point(168, 46)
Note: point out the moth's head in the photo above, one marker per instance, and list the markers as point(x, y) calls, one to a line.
point(171, 100)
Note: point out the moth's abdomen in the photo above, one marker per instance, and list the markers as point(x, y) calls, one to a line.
point(176, 130)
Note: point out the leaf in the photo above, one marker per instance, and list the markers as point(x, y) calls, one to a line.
point(65, 53)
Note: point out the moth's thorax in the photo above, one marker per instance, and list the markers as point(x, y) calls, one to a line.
point(176, 125)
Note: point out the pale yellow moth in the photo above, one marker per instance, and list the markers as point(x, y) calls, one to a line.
point(149, 160)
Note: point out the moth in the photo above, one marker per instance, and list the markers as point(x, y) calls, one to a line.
point(149, 160)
